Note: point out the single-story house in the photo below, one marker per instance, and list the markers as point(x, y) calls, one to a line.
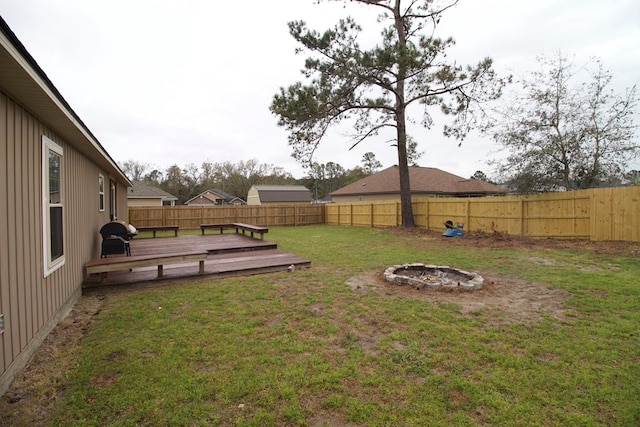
point(425, 182)
point(278, 194)
point(142, 194)
point(214, 197)
point(58, 187)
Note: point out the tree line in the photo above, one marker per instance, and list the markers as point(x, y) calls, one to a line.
point(236, 178)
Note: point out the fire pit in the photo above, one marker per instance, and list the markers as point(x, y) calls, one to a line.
point(433, 277)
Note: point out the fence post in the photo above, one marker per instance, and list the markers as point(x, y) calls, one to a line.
point(468, 216)
point(371, 214)
point(522, 215)
point(593, 224)
point(573, 214)
point(426, 214)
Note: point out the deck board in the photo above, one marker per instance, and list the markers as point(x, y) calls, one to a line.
point(229, 255)
point(213, 243)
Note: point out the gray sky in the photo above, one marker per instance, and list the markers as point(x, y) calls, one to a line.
point(166, 82)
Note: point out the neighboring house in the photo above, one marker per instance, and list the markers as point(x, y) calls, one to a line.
point(142, 194)
point(214, 197)
point(278, 194)
point(58, 187)
point(425, 182)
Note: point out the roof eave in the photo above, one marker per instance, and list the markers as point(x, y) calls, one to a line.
point(22, 79)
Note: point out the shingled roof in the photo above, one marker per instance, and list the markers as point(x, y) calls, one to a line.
point(213, 196)
point(423, 181)
point(140, 190)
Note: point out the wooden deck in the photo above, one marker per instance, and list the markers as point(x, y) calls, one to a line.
point(229, 255)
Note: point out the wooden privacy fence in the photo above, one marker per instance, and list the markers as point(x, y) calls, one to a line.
point(190, 217)
point(595, 214)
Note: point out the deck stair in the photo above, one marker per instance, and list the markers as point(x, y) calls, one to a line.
point(229, 254)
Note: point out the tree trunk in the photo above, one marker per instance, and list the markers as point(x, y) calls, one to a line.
point(401, 126)
point(403, 172)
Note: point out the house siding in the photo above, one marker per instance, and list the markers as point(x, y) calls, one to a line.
point(145, 202)
point(253, 198)
point(31, 303)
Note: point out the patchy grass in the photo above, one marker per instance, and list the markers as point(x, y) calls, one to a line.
point(552, 339)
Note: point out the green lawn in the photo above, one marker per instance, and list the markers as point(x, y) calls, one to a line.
point(304, 348)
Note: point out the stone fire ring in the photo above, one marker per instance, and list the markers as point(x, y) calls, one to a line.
point(433, 277)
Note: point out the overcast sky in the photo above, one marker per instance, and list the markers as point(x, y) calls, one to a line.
point(167, 82)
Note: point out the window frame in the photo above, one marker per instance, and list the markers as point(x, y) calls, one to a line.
point(113, 201)
point(101, 198)
point(52, 264)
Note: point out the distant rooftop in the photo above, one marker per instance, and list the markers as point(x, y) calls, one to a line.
point(422, 179)
point(140, 190)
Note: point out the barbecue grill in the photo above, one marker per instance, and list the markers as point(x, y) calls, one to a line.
point(115, 239)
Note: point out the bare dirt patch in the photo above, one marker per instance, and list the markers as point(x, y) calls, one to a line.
point(505, 300)
point(39, 387)
point(503, 240)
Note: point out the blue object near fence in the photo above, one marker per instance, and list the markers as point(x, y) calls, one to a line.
point(452, 231)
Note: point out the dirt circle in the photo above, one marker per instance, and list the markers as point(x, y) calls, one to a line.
point(505, 300)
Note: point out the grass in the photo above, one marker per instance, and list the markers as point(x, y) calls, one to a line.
point(306, 349)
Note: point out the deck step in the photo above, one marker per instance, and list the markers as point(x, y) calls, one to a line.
point(228, 254)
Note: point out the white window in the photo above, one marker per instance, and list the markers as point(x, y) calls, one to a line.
point(101, 193)
point(52, 205)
